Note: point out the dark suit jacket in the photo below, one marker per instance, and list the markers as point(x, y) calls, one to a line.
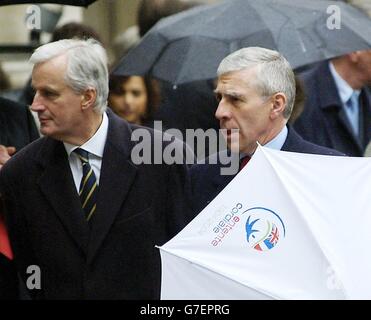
point(138, 207)
point(8, 283)
point(17, 127)
point(207, 182)
point(8, 274)
point(324, 120)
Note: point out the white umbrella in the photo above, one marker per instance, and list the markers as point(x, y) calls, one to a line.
point(289, 226)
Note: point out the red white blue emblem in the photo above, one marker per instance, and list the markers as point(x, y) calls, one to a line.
point(264, 228)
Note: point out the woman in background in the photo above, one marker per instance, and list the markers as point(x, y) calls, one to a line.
point(134, 98)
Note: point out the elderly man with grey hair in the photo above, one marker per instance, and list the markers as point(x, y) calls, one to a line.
point(83, 218)
point(256, 94)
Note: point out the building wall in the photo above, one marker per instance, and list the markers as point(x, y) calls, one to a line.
point(109, 17)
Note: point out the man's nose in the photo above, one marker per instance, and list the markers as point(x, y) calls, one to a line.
point(37, 103)
point(222, 111)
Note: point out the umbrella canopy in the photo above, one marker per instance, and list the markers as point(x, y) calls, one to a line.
point(81, 3)
point(190, 45)
point(303, 235)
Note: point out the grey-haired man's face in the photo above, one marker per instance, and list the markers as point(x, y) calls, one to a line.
point(57, 105)
point(242, 107)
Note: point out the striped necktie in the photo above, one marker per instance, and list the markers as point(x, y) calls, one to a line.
point(88, 191)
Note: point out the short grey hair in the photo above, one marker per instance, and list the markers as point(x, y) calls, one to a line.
point(274, 73)
point(86, 66)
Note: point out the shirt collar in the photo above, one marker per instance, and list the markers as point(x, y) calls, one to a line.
point(276, 143)
point(344, 89)
point(95, 145)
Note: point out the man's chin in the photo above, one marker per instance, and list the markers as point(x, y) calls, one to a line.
point(232, 142)
point(234, 148)
point(46, 131)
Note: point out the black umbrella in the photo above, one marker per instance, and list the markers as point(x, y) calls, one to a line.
point(190, 45)
point(81, 3)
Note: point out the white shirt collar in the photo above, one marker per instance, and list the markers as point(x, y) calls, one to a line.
point(276, 143)
point(279, 140)
point(95, 145)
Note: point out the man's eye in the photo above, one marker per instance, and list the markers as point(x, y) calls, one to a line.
point(49, 94)
point(218, 97)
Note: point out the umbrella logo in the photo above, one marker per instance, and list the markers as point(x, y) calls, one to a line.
point(264, 228)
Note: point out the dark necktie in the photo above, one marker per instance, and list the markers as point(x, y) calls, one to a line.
point(88, 191)
point(244, 161)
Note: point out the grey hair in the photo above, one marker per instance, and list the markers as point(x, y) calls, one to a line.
point(274, 73)
point(86, 66)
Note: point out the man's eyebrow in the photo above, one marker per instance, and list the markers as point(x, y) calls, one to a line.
point(45, 88)
point(228, 93)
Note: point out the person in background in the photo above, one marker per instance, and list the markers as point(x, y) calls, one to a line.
point(75, 30)
point(337, 111)
point(17, 127)
point(300, 98)
point(185, 106)
point(134, 98)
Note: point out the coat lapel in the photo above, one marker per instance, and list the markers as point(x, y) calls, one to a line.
point(117, 175)
point(343, 119)
point(56, 183)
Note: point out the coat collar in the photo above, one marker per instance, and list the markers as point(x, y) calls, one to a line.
point(328, 93)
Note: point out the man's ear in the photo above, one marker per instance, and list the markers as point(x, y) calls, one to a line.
point(353, 56)
point(279, 102)
point(88, 98)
